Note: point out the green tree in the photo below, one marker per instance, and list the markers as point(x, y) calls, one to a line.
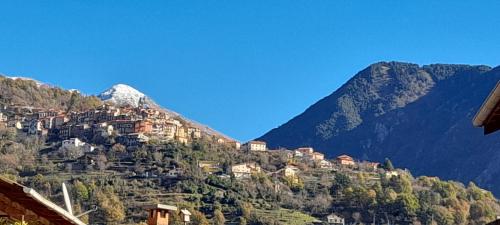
point(245, 210)
point(197, 218)
point(388, 165)
point(242, 221)
point(218, 218)
point(401, 184)
point(408, 204)
point(8, 134)
point(110, 205)
point(477, 193)
point(443, 216)
point(81, 191)
point(118, 148)
point(340, 182)
point(481, 210)
point(175, 219)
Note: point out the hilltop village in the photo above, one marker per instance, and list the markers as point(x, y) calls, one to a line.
point(133, 127)
point(145, 165)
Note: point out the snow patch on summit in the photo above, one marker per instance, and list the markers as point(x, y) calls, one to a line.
point(122, 94)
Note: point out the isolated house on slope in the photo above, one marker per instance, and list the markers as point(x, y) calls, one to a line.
point(255, 146)
point(335, 219)
point(488, 115)
point(160, 214)
point(345, 160)
point(18, 202)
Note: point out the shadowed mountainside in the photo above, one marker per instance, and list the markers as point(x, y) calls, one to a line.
point(420, 117)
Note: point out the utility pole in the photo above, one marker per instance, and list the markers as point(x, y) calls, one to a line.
point(67, 201)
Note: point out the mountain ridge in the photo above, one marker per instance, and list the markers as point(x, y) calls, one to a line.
point(415, 114)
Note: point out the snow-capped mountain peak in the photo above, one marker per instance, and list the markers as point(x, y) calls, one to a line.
point(122, 94)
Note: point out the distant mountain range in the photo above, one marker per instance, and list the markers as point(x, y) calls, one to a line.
point(418, 116)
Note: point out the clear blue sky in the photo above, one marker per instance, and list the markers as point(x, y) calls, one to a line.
point(242, 67)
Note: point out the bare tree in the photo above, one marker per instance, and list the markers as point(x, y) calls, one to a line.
point(101, 162)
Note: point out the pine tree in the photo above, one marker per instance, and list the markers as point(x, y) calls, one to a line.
point(388, 165)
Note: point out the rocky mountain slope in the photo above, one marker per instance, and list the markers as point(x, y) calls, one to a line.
point(419, 116)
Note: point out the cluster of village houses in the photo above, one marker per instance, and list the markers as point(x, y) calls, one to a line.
point(134, 126)
point(245, 170)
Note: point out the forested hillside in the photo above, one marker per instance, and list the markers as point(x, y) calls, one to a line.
point(122, 181)
point(25, 92)
point(419, 116)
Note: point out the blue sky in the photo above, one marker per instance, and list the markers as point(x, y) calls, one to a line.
point(242, 67)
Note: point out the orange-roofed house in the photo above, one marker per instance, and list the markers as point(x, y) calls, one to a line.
point(306, 150)
point(317, 156)
point(345, 160)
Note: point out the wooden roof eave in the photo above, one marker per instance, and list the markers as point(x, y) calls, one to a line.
point(488, 107)
point(34, 202)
